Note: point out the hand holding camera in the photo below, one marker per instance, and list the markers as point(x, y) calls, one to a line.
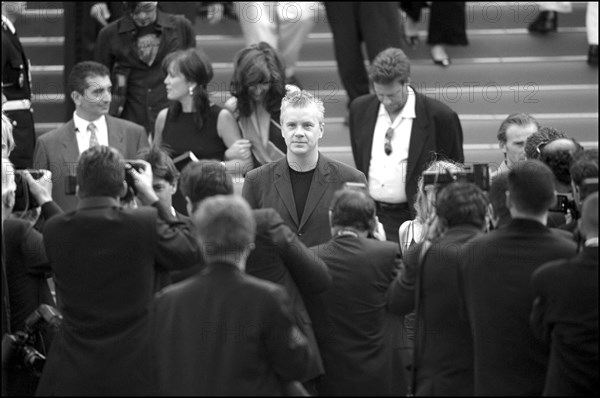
point(139, 180)
point(40, 188)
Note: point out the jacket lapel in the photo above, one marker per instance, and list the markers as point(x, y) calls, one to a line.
point(318, 186)
point(70, 149)
point(283, 185)
point(115, 136)
point(366, 134)
point(419, 136)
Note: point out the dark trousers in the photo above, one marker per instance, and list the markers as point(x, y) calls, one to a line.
point(24, 136)
point(376, 23)
point(392, 218)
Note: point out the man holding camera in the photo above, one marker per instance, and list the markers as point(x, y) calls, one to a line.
point(59, 150)
point(496, 270)
point(103, 259)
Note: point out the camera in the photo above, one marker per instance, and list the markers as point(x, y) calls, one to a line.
point(24, 199)
point(477, 174)
point(564, 204)
point(139, 166)
point(18, 349)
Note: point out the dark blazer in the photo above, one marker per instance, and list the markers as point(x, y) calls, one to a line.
point(58, 152)
point(443, 344)
point(280, 257)
point(104, 260)
point(359, 341)
point(222, 332)
point(565, 315)
point(436, 129)
point(270, 186)
point(497, 268)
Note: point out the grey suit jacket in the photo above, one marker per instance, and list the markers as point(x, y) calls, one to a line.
point(58, 152)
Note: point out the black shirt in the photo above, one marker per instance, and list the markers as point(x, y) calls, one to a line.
point(300, 186)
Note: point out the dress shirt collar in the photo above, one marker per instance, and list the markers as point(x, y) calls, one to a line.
point(81, 124)
point(9, 25)
point(407, 112)
point(593, 242)
point(97, 201)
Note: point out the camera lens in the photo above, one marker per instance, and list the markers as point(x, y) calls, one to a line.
point(33, 359)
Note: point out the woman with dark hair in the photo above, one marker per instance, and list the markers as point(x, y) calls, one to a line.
point(192, 122)
point(257, 88)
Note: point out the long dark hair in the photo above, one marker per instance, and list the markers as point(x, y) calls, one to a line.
point(195, 66)
point(255, 64)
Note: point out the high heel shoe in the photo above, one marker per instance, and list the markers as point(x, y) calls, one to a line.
point(546, 22)
point(439, 56)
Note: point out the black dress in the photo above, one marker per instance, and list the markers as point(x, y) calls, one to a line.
point(181, 134)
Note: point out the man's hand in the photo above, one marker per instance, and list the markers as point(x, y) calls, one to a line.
point(143, 182)
point(100, 13)
point(41, 189)
point(379, 232)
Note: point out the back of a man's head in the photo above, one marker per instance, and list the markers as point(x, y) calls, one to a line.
point(161, 163)
point(543, 136)
point(589, 217)
point(584, 165)
point(388, 66)
point(531, 187)
point(83, 70)
point(203, 179)
point(461, 203)
point(558, 155)
point(353, 208)
point(225, 227)
point(100, 172)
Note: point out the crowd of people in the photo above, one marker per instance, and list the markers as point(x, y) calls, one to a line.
point(411, 273)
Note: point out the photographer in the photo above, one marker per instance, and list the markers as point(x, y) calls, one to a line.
point(557, 154)
point(103, 259)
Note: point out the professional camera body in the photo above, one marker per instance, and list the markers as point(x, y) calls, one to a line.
point(477, 174)
point(139, 166)
point(18, 349)
point(24, 200)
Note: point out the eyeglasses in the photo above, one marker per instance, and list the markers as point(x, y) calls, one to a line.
point(389, 134)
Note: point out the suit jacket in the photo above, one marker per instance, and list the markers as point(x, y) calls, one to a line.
point(58, 152)
point(280, 257)
point(436, 129)
point(359, 341)
point(270, 186)
point(565, 315)
point(443, 344)
point(222, 332)
point(497, 268)
point(104, 260)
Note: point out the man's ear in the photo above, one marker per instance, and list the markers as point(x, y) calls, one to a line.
point(76, 97)
point(123, 189)
point(173, 187)
point(508, 201)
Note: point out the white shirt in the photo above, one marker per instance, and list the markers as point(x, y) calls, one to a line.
point(387, 173)
point(83, 135)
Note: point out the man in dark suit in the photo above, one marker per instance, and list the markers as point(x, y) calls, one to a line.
point(104, 260)
point(222, 332)
point(358, 339)
point(59, 150)
point(497, 269)
point(395, 133)
point(300, 186)
point(16, 86)
point(279, 256)
point(565, 313)
point(443, 347)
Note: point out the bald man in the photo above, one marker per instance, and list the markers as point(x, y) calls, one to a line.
point(565, 313)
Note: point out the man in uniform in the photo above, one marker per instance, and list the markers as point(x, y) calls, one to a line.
point(16, 87)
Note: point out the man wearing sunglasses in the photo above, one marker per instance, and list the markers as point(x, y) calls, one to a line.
point(394, 133)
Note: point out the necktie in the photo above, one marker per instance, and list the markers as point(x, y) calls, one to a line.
point(93, 134)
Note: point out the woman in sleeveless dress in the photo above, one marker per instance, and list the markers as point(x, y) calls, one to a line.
point(193, 123)
point(257, 88)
